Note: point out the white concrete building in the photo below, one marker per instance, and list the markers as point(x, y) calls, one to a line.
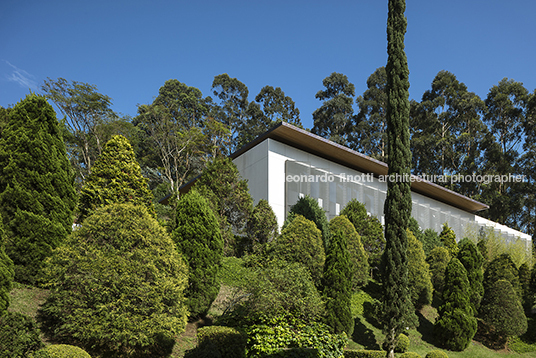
point(287, 162)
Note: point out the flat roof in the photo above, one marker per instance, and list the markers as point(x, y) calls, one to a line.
point(311, 143)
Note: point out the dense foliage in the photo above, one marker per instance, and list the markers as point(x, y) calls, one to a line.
point(473, 261)
point(262, 226)
point(6, 274)
point(60, 351)
point(397, 308)
point(337, 281)
point(456, 325)
point(438, 261)
point(448, 239)
point(419, 280)
point(19, 335)
point(37, 195)
point(502, 268)
point(369, 229)
point(308, 207)
point(117, 286)
point(222, 341)
point(198, 239)
point(502, 310)
point(301, 242)
point(115, 178)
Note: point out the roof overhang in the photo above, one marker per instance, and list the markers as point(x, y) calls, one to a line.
point(311, 143)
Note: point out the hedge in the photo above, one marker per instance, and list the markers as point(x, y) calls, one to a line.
point(361, 353)
point(436, 354)
point(228, 341)
point(61, 351)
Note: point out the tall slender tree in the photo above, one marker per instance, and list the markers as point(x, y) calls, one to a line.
point(397, 306)
point(37, 194)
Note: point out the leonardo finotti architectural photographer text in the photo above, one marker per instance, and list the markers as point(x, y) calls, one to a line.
point(364, 178)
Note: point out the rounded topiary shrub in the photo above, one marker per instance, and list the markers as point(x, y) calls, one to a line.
point(402, 344)
point(19, 335)
point(117, 286)
point(436, 354)
point(61, 351)
point(409, 355)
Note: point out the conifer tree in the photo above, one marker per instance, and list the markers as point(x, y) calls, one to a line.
point(502, 268)
point(115, 178)
point(338, 277)
point(456, 325)
point(308, 207)
point(397, 307)
point(359, 266)
point(6, 274)
point(198, 238)
point(262, 226)
point(472, 260)
point(420, 282)
point(448, 239)
point(37, 194)
point(438, 260)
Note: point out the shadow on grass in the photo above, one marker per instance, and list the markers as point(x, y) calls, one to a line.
point(364, 336)
point(426, 329)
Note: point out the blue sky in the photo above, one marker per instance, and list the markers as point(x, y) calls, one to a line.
point(128, 49)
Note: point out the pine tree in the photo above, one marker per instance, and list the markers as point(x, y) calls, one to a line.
point(420, 282)
point(448, 239)
point(301, 241)
point(337, 281)
point(6, 274)
point(502, 310)
point(37, 194)
point(359, 266)
point(198, 238)
point(115, 178)
point(456, 325)
point(472, 260)
point(308, 207)
point(397, 307)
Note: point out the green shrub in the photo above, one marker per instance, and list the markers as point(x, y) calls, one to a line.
point(262, 226)
point(502, 268)
point(227, 341)
point(267, 340)
point(456, 325)
point(419, 280)
point(115, 178)
point(6, 273)
point(301, 241)
point(360, 353)
point(448, 238)
point(473, 261)
point(308, 208)
point(277, 289)
point(436, 354)
point(402, 344)
point(198, 238)
point(337, 283)
point(19, 336)
point(117, 286)
point(409, 355)
point(61, 351)
point(438, 260)
point(37, 194)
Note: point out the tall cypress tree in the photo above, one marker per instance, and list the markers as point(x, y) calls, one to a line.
point(37, 194)
point(397, 307)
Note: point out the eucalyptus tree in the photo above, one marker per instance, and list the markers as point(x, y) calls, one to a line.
point(506, 117)
point(369, 132)
point(85, 110)
point(278, 107)
point(334, 118)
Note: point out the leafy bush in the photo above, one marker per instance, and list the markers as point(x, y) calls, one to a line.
point(301, 241)
point(6, 273)
point(262, 226)
point(198, 238)
point(277, 289)
point(270, 340)
point(227, 341)
point(117, 286)
point(368, 228)
point(502, 268)
point(456, 325)
point(401, 345)
point(448, 238)
point(61, 351)
point(115, 178)
point(360, 353)
point(308, 208)
point(473, 261)
point(438, 260)
point(409, 355)
point(358, 301)
point(37, 194)
point(338, 276)
point(419, 281)
point(501, 309)
point(19, 336)
point(436, 354)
